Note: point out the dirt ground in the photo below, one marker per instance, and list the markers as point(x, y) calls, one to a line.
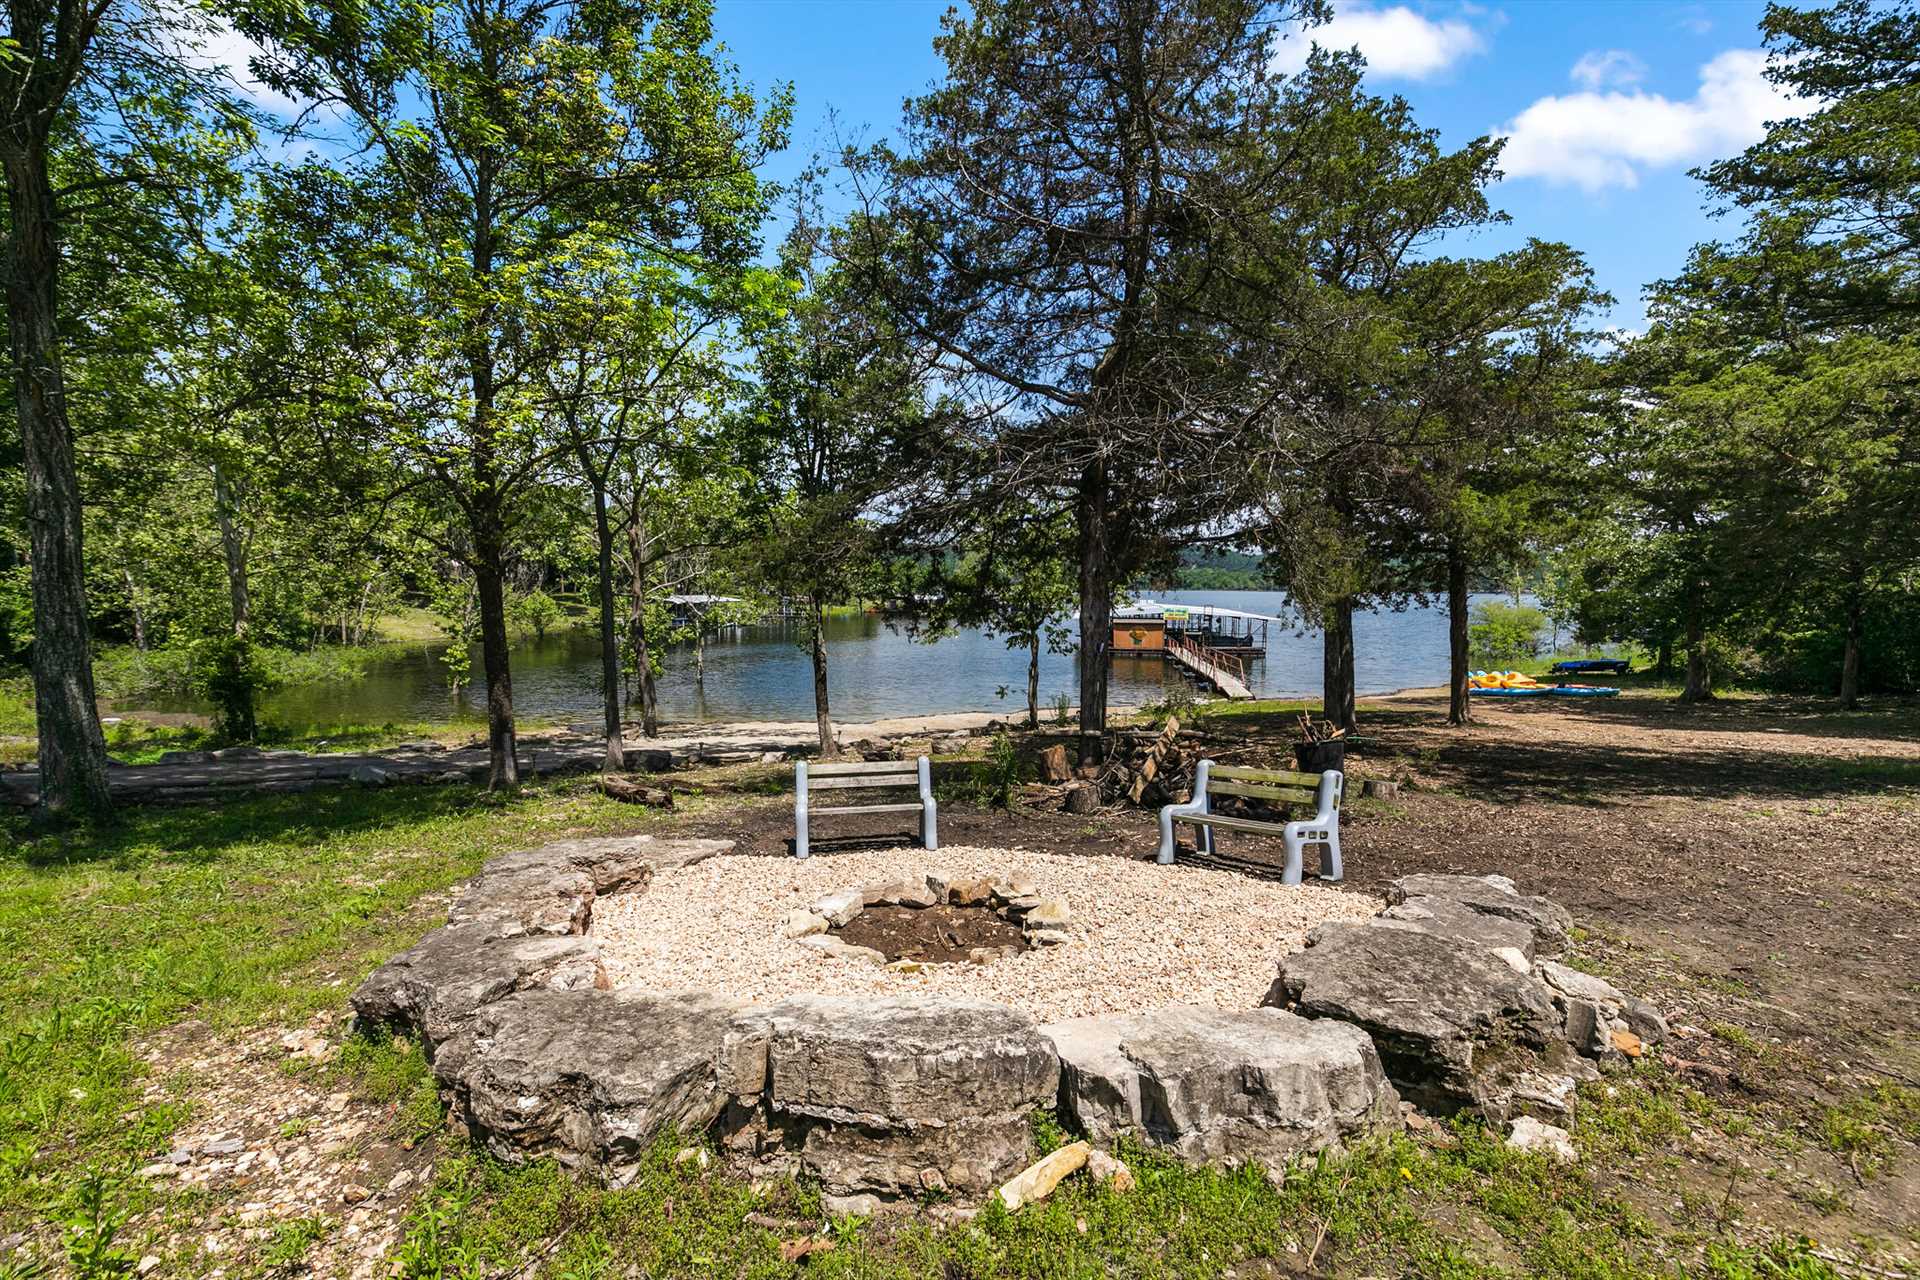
point(931, 935)
point(1752, 866)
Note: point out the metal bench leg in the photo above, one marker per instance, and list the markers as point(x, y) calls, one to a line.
point(800, 809)
point(1296, 854)
point(1330, 861)
point(929, 813)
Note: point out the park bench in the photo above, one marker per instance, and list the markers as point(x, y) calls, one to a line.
point(864, 775)
point(1320, 790)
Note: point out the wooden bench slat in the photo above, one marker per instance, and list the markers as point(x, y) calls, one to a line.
point(864, 781)
point(1266, 775)
point(1289, 795)
point(833, 769)
point(864, 808)
point(1232, 824)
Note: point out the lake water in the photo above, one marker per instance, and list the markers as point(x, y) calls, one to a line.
point(874, 671)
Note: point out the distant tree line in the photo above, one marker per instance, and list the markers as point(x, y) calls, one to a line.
point(494, 320)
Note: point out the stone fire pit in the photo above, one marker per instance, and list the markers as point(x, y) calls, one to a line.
point(592, 997)
point(1109, 935)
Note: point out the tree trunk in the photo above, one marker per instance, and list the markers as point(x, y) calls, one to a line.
point(73, 753)
point(1336, 665)
point(642, 650)
point(1033, 680)
point(616, 758)
point(503, 765)
point(823, 717)
point(1459, 701)
point(485, 502)
point(1850, 658)
point(242, 723)
point(1096, 610)
point(699, 651)
point(1663, 658)
point(234, 551)
point(1699, 686)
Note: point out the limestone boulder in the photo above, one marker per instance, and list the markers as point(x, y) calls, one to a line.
point(1594, 1008)
point(1219, 1086)
point(1450, 918)
point(433, 990)
point(594, 1078)
point(615, 863)
point(1451, 1021)
point(550, 890)
point(1492, 896)
point(890, 1096)
point(539, 899)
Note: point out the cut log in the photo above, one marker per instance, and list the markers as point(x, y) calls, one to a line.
point(1083, 798)
point(1053, 764)
point(1038, 1180)
point(631, 792)
point(1381, 789)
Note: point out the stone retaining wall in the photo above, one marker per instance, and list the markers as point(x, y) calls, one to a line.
point(1445, 998)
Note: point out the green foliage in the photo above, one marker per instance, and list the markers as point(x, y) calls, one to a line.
point(291, 1239)
point(1759, 436)
point(1776, 1260)
point(457, 605)
point(20, 1265)
point(1501, 634)
point(1864, 1129)
point(16, 612)
point(93, 1217)
point(1002, 773)
point(539, 612)
point(229, 672)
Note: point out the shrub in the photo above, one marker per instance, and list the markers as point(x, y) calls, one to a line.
point(539, 611)
point(1499, 633)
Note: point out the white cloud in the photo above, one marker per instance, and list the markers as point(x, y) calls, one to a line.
point(1693, 17)
point(1608, 69)
point(228, 50)
point(1397, 42)
point(1606, 139)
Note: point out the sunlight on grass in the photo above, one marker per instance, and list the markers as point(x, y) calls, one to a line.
point(259, 911)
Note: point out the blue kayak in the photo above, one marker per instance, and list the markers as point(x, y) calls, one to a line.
point(1583, 691)
point(1580, 666)
point(1525, 691)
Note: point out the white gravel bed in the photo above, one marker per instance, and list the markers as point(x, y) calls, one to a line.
point(1143, 935)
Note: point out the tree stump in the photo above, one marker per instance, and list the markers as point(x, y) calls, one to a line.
point(1380, 789)
point(1083, 798)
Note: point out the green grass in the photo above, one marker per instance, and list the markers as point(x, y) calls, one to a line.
point(410, 625)
point(1471, 1207)
point(257, 912)
point(134, 740)
point(1863, 1130)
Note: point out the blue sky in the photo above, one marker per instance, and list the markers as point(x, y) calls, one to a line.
point(1606, 105)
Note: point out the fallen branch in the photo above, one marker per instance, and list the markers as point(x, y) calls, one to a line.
point(629, 792)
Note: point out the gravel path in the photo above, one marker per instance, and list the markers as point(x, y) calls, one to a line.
point(1143, 935)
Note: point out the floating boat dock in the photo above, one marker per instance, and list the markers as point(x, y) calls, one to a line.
point(1211, 645)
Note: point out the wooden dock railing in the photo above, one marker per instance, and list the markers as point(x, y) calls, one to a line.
point(1223, 671)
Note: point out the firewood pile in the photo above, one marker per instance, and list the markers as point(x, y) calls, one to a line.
point(1145, 769)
